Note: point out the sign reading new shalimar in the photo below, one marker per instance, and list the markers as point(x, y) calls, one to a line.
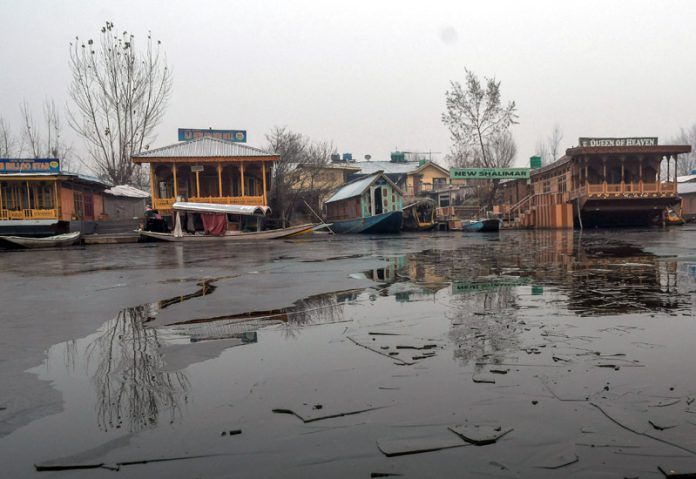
point(585, 142)
point(489, 173)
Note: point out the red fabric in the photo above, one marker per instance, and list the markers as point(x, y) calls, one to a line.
point(214, 224)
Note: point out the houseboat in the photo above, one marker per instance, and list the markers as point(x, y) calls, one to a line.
point(372, 204)
point(603, 182)
point(38, 199)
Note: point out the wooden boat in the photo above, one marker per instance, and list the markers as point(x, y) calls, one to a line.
point(383, 223)
point(419, 216)
point(370, 204)
point(56, 241)
point(217, 226)
point(672, 218)
point(482, 225)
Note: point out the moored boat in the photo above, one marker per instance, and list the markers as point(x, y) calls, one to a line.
point(482, 225)
point(217, 227)
point(371, 204)
point(55, 241)
point(419, 216)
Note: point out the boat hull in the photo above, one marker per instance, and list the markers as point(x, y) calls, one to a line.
point(384, 223)
point(251, 236)
point(57, 241)
point(482, 226)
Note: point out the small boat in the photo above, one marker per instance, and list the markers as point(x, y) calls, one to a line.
point(217, 227)
point(481, 226)
point(383, 223)
point(56, 241)
point(672, 218)
point(419, 216)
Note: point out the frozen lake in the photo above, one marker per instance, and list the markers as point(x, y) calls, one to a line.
point(570, 354)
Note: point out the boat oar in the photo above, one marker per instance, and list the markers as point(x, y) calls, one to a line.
point(318, 217)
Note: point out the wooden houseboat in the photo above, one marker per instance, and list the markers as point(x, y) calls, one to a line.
point(604, 182)
point(38, 199)
point(207, 170)
point(372, 204)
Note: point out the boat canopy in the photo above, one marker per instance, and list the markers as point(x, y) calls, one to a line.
point(247, 210)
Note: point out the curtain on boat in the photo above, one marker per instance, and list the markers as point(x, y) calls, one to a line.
point(214, 224)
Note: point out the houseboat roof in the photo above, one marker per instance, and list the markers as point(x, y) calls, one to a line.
point(612, 150)
point(205, 147)
point(358, 187)
point(370, 167)
point(63, 175)
point(127, 192)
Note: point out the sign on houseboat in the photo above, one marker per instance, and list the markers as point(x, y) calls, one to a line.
point(489, 173)
point(29, 165)
point(645, 141)
point(187, 134)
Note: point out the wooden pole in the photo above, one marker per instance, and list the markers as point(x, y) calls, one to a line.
point(153, 182)
point(176, 189)
point(219, 172)
point(56, 199)
point(263, 171)
point(28, 197)
point(198, 184)
point(640, 173)
point(241, 169)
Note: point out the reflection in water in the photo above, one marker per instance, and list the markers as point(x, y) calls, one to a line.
point(129, 377)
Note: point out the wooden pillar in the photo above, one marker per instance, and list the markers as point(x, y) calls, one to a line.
point(219, 171)
point(604, 170)
point(176, 189)
point(241, 172)
point(623, 175)
point(263, 174)
point(667, 167)
point(28, 196)
point(198, 184)
point(56, 199)
point(675, 168)
point(153, 183)
point(640, 173)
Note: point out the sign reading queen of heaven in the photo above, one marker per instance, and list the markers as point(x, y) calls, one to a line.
point(585, 142)
point(188, 134)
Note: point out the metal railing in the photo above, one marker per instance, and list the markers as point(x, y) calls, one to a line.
point(615, 189)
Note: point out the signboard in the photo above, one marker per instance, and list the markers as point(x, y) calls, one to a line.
point(646, 141)
point(188, 134)
point(489, 173)
point(196, 168)
point(29, 165)
point(459, 287)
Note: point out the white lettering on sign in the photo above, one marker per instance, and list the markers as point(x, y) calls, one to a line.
point(594, 142)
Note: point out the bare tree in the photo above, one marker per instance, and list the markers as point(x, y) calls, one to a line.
point(554, 142)
point(8, 142)
point(476, 114)
point(541, 149)
point(44, 138)
point(119, 96)
point(502, 149)
point(297, 175)
point(687, 162)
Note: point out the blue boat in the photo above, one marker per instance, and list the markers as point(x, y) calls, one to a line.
point(481, 226)
point(385, 223)
point(370, 204)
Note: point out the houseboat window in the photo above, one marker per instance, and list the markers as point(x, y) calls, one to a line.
point(562, 183)
point(88, 200)
point(78, 205)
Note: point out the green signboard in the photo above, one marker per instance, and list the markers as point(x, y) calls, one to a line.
point(489, 173)
point(459, 287)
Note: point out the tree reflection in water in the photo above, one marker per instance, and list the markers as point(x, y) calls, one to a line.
point(129, 377)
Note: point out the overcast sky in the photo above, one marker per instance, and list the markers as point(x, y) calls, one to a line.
point(371, 75)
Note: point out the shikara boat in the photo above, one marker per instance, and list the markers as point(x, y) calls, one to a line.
point(482, 225)
point(56, 241)
point(419, 216)
point(217, 227)
point(383, 223)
